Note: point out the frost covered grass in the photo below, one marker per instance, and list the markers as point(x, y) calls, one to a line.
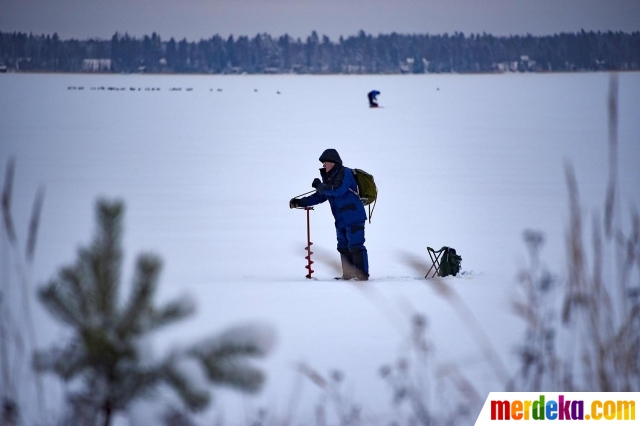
point(591, 340)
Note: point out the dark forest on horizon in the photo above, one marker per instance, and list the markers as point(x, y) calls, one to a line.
point(360, 54)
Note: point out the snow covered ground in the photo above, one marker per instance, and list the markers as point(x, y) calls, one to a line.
point(468, 161)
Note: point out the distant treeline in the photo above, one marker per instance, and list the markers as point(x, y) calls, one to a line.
point(361, 54)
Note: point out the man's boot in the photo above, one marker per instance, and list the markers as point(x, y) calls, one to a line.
point(348, 270)
point(360, 263)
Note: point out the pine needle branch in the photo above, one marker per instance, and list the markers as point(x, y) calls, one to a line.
point(144, 287)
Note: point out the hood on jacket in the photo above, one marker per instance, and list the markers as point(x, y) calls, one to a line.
point(331, 155)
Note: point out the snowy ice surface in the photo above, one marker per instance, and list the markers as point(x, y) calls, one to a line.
point(468, 161)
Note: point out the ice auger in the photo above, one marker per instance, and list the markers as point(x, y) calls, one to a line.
point(309, 243)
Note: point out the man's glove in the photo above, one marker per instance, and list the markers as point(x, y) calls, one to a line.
point(318, 185)
point(293, 203)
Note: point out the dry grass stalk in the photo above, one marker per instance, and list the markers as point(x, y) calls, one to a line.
point(600, 314)
point(444, 290)
point(348, 413)
point(14, 347)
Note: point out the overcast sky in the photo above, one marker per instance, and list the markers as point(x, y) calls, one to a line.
point(196, 19)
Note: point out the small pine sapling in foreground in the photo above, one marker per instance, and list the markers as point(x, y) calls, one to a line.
point(103, 361)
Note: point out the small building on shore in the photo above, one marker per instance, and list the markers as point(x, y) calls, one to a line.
point(96, 65)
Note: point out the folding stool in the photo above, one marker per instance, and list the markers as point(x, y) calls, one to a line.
point(435, 260)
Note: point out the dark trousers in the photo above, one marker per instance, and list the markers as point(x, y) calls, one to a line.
point(372, 101)
point(353, 253)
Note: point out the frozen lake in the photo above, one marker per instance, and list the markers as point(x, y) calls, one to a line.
point(206, 172)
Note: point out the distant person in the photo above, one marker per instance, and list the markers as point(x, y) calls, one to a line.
point(373, 102)
point(338, 185)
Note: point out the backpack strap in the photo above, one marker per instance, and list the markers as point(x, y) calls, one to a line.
point(371, 209)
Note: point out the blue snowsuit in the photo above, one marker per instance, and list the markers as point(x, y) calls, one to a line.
point(339, 188)
point(373, 102)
